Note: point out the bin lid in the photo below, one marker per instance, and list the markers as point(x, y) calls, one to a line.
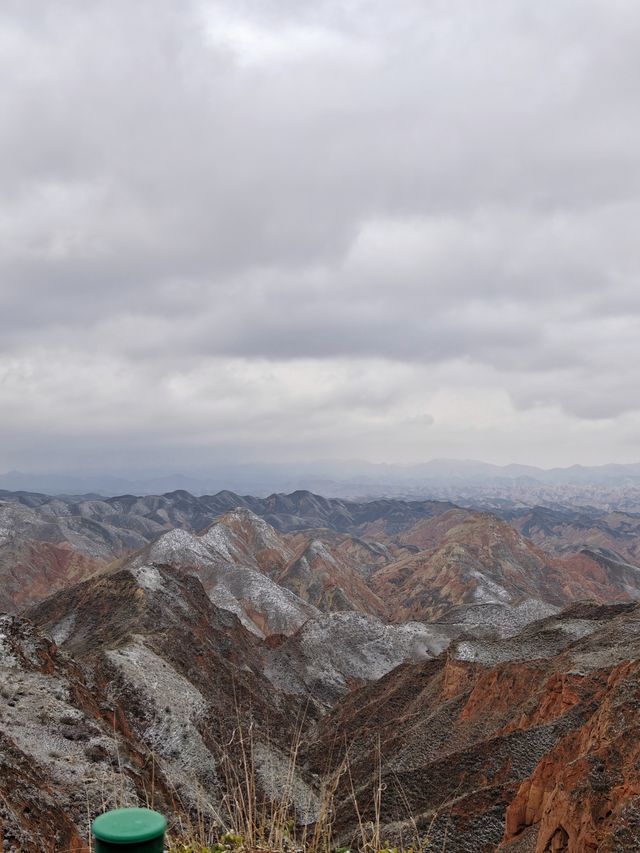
point(126, 826)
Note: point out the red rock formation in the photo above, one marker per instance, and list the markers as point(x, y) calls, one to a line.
point(529, 756)
point(483, 559)
point(330, 572)
point(36, 570)
point(584, 795)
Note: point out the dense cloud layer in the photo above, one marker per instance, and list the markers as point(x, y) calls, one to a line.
point(243, 230)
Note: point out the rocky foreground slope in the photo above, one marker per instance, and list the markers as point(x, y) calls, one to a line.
point(133, 687)
point(125, 690)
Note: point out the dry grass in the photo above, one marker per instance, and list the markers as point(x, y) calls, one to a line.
point(244, 818)
point(248, 820)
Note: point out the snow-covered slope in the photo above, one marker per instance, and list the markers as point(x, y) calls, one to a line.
point(337, 651)
point(233, 559)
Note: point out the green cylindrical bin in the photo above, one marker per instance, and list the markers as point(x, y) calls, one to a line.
point(129, 830)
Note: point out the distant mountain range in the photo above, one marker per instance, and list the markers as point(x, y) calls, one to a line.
point(439, 478)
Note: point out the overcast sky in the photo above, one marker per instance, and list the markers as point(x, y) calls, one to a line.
point(291, 230)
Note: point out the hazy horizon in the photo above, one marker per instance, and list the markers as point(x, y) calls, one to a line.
point(615, 484)
point(310, 464)
point(305, 231)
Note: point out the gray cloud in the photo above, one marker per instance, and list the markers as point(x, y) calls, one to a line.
point(333, 227)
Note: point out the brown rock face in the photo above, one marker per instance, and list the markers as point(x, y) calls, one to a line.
point(584, 796)
point(524, 755)
point(330, 572)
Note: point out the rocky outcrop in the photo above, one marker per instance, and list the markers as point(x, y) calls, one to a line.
point(584, 795)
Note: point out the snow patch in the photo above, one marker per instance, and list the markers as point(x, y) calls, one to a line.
point(62, 630)
point(177, 706)
point(488, 591)
point(148, 577)
point(282, 610)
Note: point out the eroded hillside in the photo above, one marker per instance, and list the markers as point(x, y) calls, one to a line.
point(433, 650)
